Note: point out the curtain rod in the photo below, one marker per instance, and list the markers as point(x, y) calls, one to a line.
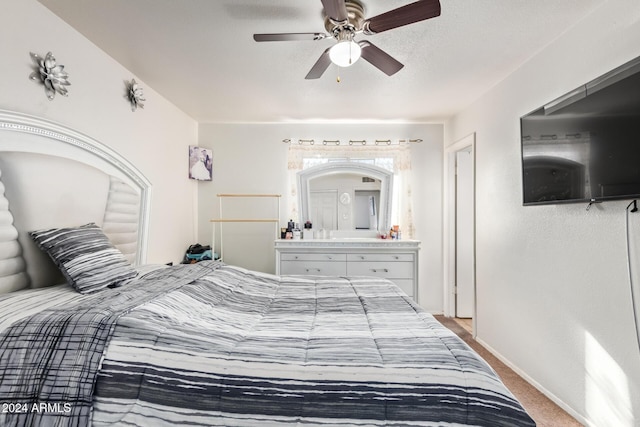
point(350, 142)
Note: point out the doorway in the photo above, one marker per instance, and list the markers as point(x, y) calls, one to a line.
point(365, 209)
point(460, 288)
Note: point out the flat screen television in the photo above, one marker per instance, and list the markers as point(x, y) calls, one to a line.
point(585, 145)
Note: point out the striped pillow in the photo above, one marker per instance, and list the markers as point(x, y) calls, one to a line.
point(85, 257)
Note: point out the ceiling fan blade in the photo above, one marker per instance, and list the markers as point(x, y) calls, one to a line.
point(320, 66)
point(335, 9)
point(405, 15)
point(283, 37)
point(379, 58)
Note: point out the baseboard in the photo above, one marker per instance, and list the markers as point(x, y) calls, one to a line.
point(555, 399)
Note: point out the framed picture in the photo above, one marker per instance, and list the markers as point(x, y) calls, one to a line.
point(200, 163)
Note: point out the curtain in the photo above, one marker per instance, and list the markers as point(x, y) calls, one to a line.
point(396, 158)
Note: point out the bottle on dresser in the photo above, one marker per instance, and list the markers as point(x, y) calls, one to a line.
point(307, 232)
point(297, 234)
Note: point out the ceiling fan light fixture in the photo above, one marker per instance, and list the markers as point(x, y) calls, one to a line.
point(345, 53)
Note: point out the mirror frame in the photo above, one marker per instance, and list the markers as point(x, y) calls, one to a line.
point(386, 186)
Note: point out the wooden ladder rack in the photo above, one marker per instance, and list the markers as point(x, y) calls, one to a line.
point(222, 220)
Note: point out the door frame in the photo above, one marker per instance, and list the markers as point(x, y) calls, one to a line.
point(449, 238)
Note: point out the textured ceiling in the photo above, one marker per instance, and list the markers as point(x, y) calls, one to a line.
point(200, 55)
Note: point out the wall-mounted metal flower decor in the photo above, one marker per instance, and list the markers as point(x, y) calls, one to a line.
point(50, 74)
point(134, 92)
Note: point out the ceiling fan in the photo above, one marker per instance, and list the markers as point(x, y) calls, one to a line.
point(344, 19)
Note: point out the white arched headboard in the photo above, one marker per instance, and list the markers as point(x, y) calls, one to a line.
point(54, 176)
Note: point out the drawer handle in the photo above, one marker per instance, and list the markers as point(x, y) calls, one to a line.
point(396, 257)
point(309, 270)
point(329, 257)
point(380, 270)
point(361, 256)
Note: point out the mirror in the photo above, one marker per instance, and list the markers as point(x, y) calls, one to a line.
point(346, 196)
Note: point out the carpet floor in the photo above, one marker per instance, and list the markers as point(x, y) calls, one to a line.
point(543, 410)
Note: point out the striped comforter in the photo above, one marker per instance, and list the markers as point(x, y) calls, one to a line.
point(215, 345)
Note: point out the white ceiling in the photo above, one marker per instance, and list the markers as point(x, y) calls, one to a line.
point(200, 55)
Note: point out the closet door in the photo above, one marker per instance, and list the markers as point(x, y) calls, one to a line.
point(324, 209)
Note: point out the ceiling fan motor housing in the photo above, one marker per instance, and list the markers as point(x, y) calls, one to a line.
point(355, 13)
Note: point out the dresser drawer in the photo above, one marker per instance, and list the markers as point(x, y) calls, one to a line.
point(389, 270)
point(313, 257)
point(406, 285)
point(379, 257)
point(321, 268)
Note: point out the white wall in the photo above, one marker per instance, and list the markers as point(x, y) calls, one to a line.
point(154, 139)
point(251, 158)
point(552, 287)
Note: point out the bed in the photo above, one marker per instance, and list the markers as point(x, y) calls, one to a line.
point(90, 334)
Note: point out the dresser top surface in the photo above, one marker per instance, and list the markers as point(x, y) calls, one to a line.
point(370, 243)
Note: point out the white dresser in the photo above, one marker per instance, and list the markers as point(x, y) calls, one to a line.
point(396, 260)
